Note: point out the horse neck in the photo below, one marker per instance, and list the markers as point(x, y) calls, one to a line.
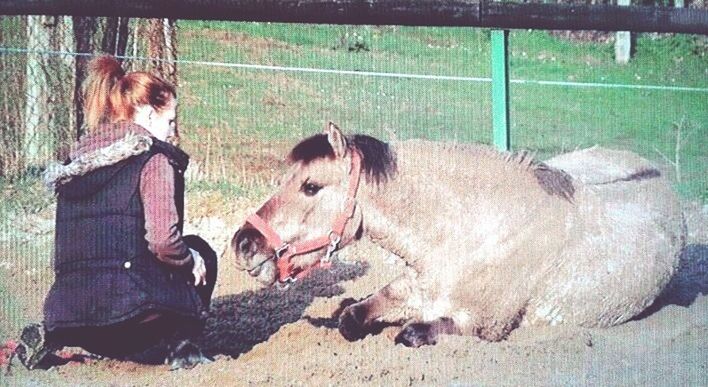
point(437, 187)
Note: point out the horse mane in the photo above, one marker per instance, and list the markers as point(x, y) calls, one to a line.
point(552, 180)
point(378, 159)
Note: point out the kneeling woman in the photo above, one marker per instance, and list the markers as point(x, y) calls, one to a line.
point(125, 277)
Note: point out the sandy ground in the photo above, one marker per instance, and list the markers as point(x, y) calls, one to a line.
point(273, 337)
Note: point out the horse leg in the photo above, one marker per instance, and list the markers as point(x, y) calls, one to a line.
point(464, 323)
point(361, 318)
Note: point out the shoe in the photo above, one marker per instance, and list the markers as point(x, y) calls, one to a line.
point(154, 355)
point(33, 349)
point(186, 355)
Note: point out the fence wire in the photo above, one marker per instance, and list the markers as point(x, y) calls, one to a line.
point(248, 87)
point(40, 93)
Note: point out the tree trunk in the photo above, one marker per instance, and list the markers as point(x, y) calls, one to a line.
point(48, 92)
point(36, 115)
point(162, 48)
point(123, 31)
point(12, 85)
point(62, 76)
point(84, 29)
point(110, 34)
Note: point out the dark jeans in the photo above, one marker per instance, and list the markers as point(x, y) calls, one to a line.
point(133, 335)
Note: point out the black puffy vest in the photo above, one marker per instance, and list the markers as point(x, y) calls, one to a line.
point(104, 271)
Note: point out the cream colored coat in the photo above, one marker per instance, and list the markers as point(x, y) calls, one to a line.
point(489, 244)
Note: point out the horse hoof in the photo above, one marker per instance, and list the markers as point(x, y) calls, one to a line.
point(416, 335)
point(351, 323)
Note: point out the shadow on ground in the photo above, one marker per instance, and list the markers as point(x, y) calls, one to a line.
point(241, 321)
point(689, 281)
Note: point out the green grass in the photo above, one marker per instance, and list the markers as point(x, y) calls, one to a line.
point(26, 195)
point(285, 106)
point(226, 188)
point(24, 281)
point(241, 111)
point(8, 310)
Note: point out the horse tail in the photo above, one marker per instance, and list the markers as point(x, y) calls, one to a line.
point(597, 165)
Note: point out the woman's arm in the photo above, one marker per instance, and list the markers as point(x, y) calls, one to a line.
point(157, 191)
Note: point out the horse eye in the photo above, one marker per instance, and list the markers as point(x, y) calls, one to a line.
point(310, 189)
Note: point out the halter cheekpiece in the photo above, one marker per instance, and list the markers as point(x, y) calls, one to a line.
point(285, 251)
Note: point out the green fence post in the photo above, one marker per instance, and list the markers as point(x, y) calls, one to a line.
point(500, 90)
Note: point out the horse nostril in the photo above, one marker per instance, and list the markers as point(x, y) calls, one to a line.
point(246, 242)
point(244, 245)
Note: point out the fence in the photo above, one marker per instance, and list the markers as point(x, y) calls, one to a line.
point(41, 74)
point(252, 84)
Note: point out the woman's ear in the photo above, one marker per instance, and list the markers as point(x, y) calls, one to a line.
point(336, 139)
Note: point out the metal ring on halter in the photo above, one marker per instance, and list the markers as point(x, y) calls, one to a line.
point(333, 243)
point(280, 250)
point(336, 239)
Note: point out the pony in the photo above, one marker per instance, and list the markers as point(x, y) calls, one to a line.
point(491, 240)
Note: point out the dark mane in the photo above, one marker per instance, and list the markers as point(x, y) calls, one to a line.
point(378, 160)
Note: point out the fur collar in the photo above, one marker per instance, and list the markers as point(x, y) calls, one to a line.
point(129, 146)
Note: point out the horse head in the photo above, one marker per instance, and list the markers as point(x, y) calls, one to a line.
point(314, 210)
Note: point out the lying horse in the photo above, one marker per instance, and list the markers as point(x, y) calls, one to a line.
point(491, 240)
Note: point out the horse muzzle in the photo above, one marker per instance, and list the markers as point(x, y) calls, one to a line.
point(253, 254)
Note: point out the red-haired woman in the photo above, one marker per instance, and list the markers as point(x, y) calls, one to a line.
point(126, 279)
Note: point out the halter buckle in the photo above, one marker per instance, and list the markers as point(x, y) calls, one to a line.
point(334, 240)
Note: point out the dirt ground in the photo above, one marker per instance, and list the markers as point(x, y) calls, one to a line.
point(272, 337)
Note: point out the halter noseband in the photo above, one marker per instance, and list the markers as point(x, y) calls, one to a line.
point(284, 251)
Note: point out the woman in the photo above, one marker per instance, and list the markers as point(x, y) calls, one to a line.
point(125, 277)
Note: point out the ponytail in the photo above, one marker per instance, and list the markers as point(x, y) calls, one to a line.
point(104, 72)
point(111, 95)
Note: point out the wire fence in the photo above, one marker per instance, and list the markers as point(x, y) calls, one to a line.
point(40, 87)
point(245, 89)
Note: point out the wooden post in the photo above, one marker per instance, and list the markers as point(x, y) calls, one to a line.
point(623, 41)
point(500, 90)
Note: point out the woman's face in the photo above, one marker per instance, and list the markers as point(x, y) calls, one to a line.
point(160, 123)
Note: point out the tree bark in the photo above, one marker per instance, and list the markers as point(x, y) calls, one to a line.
point(36, 114)
point(162, 48)
point(123, 31)
point(84, 29)
point(12, 85)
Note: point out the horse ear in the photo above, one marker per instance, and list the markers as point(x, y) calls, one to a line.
point(336, 139)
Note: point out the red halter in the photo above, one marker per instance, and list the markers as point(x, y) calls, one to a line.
point(285, 251)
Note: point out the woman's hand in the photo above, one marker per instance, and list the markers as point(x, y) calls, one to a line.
point(199, 269)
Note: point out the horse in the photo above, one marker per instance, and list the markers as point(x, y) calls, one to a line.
point(491, 240)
